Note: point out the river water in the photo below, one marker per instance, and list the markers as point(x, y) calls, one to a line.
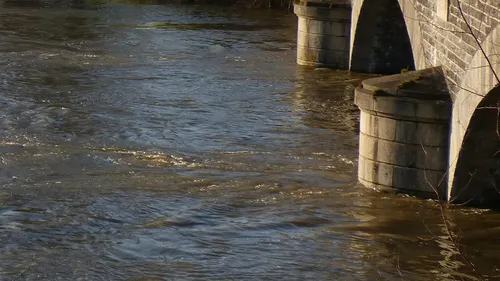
point(167, 142)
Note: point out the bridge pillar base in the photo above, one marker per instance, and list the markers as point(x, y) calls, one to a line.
point(404, 133)
point(323, 33)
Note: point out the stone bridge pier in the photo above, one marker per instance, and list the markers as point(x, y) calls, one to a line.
point(443, 58)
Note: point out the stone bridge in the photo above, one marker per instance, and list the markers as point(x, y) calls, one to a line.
point(459, 38)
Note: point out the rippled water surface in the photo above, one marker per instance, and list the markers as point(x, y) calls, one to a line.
point(166, 142)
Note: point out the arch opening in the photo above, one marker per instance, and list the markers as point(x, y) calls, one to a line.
point(381, 43)
point(477, 174)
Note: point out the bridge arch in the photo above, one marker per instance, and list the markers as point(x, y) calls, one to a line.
point(385, 36)
point(474, 172)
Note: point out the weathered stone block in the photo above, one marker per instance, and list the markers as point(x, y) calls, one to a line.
point(432, 134)
point(434, 110)
point(332, 28)
point(403, 154)
point(369, 126)
point(363, 99)
point(406, 131)
point(375, 172)
point(322, 12)
point(325, 42)
point(411, 132)
point(392, 106)
point(321, 58)
point(419, 180)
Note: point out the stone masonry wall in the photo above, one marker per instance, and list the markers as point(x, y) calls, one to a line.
point(439, 36)
point(447, 41)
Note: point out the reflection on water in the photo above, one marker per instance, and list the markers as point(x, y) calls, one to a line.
point(143, 142)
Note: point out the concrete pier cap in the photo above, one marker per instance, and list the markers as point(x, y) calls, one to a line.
point(404, 133)
point(323, 35)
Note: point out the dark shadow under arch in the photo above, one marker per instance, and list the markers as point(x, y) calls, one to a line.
point(477, 174)
point(382, 44)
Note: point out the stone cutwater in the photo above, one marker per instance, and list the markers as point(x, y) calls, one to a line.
point(404, 132)
point(323, 33)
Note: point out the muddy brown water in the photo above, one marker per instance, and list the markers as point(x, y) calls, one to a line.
point(167, 142)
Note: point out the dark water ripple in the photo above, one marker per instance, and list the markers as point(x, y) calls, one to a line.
point(164, 142)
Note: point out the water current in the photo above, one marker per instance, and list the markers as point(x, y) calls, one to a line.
point(182, 142)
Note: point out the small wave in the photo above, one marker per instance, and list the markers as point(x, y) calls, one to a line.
point(151, 158)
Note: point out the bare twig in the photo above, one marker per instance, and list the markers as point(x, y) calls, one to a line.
point(400, 272)
point(459, 4)
point(4, 201)
point(25, 270)
point(454, 239)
